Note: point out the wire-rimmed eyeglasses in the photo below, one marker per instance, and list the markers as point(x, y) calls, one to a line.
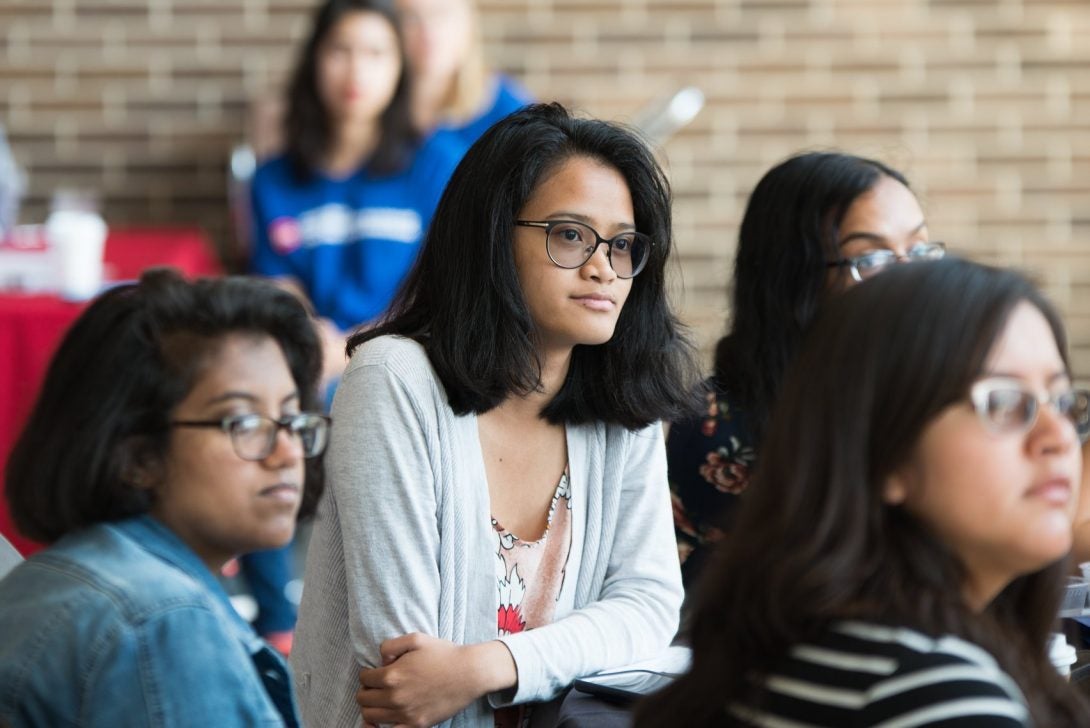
point(253, 436)
point(1009, 405)
point(571, 244)
point(872, 263)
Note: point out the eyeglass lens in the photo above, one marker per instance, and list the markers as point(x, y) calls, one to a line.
point(571, 244)
point(877, 261)
point(254, 436)
point(1011, 409)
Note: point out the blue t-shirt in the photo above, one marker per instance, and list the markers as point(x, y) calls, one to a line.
point(349, 241)
point(507, 97)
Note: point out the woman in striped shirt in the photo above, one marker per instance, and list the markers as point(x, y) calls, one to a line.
point(902, 560)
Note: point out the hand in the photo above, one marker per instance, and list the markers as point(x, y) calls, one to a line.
point(425, 680)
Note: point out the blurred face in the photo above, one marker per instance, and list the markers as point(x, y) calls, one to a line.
point(437, 36)
point(358, 66)
point(1002, 499)
point(886, 217)
point(219, 504)
point(577, 305)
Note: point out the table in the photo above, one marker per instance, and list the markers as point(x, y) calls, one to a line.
point(579, 710)
point(31, 326)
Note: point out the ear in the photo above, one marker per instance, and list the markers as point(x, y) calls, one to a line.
point(140, 469)
point(895, 489)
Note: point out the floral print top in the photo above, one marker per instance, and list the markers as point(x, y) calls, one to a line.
point(529, 577)
point(710, 460)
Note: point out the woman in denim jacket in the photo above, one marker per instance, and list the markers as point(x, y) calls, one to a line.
point(171, 434)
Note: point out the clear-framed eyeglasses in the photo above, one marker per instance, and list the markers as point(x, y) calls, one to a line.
point(1007, 405)
point(571, 244)
point(253, 436)
point(871, 264)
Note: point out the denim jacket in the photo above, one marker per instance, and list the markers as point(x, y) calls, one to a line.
point(121, 624)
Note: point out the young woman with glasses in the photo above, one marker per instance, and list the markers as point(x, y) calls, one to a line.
point(815, 225)
point(174, 431)
point(498, 518)
point(900, 557)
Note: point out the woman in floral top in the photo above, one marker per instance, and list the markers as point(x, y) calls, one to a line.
point(814, 225)
point(498, 519)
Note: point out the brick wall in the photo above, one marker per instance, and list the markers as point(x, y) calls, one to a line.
point(985, 104)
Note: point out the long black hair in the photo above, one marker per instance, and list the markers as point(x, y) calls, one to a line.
point(788, 233)
point(111, 389)
point(307, 123)
point(463, 303)
point(815, 540)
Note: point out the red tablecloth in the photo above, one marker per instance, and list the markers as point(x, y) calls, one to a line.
point(31, 327)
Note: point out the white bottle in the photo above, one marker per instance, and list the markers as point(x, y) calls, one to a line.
point(77, 236)
point(12, 185)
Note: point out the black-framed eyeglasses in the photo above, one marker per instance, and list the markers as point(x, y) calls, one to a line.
point(253, 436)
point(871, 264)
point(1007, 405)
point(571, 244)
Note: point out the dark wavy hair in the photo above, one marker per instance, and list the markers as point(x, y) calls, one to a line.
point(109, 393)
point(463, 303)
point(815, 540)
point(307, 124)
point(789, 231)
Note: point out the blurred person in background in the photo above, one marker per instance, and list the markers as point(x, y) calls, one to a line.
point(901, 556)
point(171, 434)
point(339, 216)
point(453, 90)
point(815, 224)
point(341, 213)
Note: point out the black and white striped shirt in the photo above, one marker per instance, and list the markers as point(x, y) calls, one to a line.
point(863, 674)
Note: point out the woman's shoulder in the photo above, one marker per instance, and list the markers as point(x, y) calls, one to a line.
point(436, 156)
point(97, 579)
point(391, 360)
point(908, 643)
point(273, 169)
point(390, 350)
point(867, 673)
point(614, 445)
point(101, 563)
point(912, 668)
point(510, 95)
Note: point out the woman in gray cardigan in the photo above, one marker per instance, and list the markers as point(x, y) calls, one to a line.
point(498, 521)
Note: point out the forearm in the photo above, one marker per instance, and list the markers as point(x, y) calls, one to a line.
point(425, 680)
point(491, 667)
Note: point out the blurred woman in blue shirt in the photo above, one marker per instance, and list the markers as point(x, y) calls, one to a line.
point(342, 212)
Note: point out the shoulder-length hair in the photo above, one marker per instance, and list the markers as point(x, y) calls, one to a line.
point(307, 123)
point(102, 417)
point(473, 80)
point(463, 302)
point(815, 540)
point(789, 231)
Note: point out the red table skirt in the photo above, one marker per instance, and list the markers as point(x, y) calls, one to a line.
point(31, 327)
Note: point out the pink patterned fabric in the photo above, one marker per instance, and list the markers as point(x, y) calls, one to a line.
point(529, 576)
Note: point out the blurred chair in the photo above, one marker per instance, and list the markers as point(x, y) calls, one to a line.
point(262, 140)
point(664, 116)
point(9, 557)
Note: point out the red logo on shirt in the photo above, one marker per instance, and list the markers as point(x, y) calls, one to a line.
point(284, 234)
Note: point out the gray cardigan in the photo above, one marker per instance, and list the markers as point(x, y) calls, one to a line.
point(403, 543)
